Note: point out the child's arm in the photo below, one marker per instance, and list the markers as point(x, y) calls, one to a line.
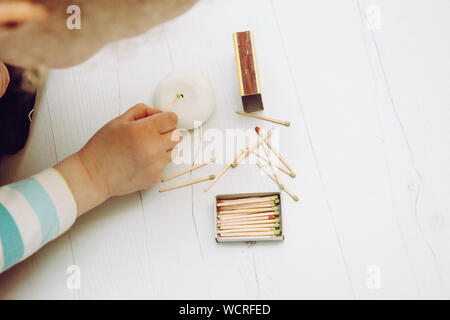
point(127, 154)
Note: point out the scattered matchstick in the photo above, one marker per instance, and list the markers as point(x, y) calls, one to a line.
point(283, 169)
point(223, 171)
point(187, 183)
point(250, 150)
point(274, 150)
point(274, 170)
point(177, 96)
point(258, 116)
point(188, 170)
point(293, 196)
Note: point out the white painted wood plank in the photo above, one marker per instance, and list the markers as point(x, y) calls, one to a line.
point(412, 76)
point(202, 39)
point(326, 47)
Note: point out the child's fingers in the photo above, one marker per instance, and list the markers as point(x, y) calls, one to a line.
point(164, 122)
point(171, 139)
point(139, 111)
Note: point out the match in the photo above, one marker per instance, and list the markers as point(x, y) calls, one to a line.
point(261, 225)
point(209, 186)
point(246, 238)
point(177, 96)
point(187, 170)
point(257, 116)
point(268, 204)
point(257, 210)
point(269, 158)
point(283, 169)
point(249, 216)
point(187, 183)
point(290, 193)
point(229, 221)
point(248, 234)
point(246, 200)
point(256, 145)
point(248, 223)
point(222, 232)
point(274, 150)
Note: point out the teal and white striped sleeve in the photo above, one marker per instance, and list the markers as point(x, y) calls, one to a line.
point(33, 212)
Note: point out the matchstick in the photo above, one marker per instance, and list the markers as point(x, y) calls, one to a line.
point(223, 232)
point(177, 96)
point(227, 212)
point(248, 234)
point(187, 170)
point(258, 116)
point(249, 216)
point(246, 238)
point(265, 218)
point(274, 150)
point(293, 196)
point(283, 169)
point(272, 165)
point(223, 171)
point(246, 200)
point(260, 225)
point(259, 205)
point(187, 183)
point(250, 150)
point(247, 222)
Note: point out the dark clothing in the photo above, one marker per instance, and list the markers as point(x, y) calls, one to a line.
point(15, 108)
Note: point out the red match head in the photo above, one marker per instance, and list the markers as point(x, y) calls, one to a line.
point(257, 129)
point(272, 217)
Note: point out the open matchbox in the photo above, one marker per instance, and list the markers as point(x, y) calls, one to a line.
point(220, 197)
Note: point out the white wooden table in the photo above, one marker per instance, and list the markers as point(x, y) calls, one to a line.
point(370, 142)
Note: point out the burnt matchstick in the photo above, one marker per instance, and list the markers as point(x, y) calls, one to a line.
point(283, 169)
point(253, 147)
point(293, 196)
point(258, 116)
point(177, 96)
point(187, 183)
point(204, 163)
point(221, 173)
point(221, 203)
point(274, 150)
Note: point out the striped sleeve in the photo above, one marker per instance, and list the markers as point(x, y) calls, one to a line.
point(33, 212)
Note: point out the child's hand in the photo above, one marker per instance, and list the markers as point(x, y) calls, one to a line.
point(128, 154)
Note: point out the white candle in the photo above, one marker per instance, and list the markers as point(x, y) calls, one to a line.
point(196, 100)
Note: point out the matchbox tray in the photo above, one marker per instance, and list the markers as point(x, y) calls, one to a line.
point(220, 197)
